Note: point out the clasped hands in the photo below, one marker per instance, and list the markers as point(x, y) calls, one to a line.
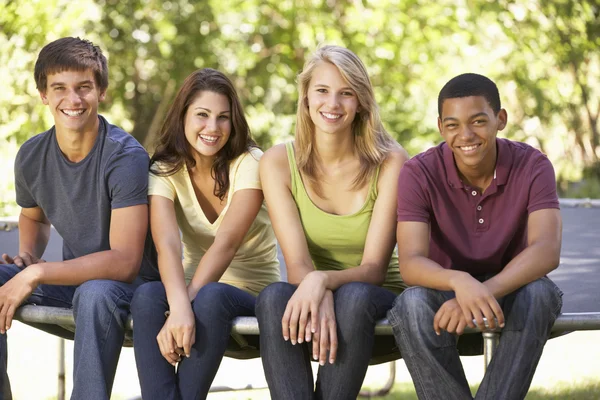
point(473, 302)
point(310, 317)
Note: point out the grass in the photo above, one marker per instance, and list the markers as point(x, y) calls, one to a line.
point(588, 390)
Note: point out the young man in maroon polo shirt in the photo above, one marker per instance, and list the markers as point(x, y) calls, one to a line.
point(478, 229)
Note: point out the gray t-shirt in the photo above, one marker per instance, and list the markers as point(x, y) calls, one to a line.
point(78, 197)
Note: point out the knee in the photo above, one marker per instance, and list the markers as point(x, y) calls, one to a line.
point(147, 298)
point(354, 299)
point(541, 294)
point(272, 300)
point(211, 299)
point(100, 295)
point(413, 306)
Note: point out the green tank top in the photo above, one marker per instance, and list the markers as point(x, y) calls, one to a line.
point(337, 242)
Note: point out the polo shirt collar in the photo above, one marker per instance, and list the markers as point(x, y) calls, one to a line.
point(503, 164)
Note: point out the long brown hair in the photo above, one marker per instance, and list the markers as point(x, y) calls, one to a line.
point(173, 150)
point(371, 140)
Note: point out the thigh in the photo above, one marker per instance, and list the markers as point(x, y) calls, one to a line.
point(221, 297)
point(43, 295)
point(356, 298)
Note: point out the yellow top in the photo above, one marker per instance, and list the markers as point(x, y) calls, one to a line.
point(255, 264)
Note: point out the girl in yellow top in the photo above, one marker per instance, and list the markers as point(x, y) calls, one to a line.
point(332, 200)
point(204, 183)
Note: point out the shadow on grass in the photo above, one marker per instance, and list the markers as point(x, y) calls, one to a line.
point(580, 391)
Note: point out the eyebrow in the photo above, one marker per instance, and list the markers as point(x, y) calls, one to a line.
point(326, 86)
point(209, 110)
point(481, 114)
point(64, 84)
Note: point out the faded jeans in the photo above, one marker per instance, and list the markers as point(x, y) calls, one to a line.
point(433, 360)
point(358, 306)
point(100, 308)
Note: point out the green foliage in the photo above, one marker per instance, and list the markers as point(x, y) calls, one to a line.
point(542, 53)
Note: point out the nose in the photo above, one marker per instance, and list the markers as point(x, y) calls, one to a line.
point(73, 97)
point(211, 124)
point(466, 132)
point(333, 100)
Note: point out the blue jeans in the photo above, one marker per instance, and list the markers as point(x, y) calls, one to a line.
point(100, 308)
point(358, 306)
point(215, 307)
point(434, 363)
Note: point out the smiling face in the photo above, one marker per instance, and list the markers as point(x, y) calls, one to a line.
point(207, 124)
point(73, 98)
point(332, 103)
point(469, 127)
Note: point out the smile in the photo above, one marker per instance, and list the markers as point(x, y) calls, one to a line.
point(73, 113)
point(469, 148)
point(209, 139)
point(331, 116)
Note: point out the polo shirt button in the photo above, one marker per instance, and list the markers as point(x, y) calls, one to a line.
point(481, 220)
point(474, 193)
point(478, 208)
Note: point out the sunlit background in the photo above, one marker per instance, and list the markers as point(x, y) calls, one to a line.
point(544, 55)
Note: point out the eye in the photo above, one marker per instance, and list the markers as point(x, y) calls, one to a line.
point(479, 122)
point(348, 93)
point(224, 117)
point(58, 88)
point(322, 90)
point(202, 114)
point(451, 126)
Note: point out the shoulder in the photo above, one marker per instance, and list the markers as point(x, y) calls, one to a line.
point(249, 157)
point(35, 144)
point(393, 162)
point(430, 161)
point(524, 156)
point(121, 141)
point(275, 157)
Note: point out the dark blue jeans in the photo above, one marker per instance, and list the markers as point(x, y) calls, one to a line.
point(434, 363)
point(358, 306)
point(215, 307)
point(100, 308)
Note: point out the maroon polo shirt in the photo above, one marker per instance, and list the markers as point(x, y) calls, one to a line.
point(471, 232)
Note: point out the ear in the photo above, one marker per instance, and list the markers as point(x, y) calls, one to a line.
point(306, 101)
point(502, 119)
point(102, 95)
point(439, 124)
point(43, 97)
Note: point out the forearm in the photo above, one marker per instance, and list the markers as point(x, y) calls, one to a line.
point(110, 264)
point(421, 271)
point(173, 277)
point(212, 266)
point(368, 273)
point(33, 236)
point(532, 263)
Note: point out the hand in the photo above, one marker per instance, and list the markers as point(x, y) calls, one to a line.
point(21, 260)
point(476, 301)
point(325, 338)
point(13, 293)
point(450, 318)
point(177, 335)
point(304, 303)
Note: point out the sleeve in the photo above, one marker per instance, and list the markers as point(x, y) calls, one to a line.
point(161, 186)
point(246, 174)
point(127, 178)
point(412, 200)
point(542, 190)
point(24, 196)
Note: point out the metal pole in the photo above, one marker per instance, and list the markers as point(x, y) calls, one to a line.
point(61, 369)
point(490, 342)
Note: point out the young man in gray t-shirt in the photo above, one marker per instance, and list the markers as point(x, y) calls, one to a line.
point(89, 179)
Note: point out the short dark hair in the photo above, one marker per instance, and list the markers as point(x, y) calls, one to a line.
point(470, 84)
point(70, 53)
point(173, 148)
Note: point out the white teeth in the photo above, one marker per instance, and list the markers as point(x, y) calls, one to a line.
point(331, 116)
point(469, 148)
point(210, 139)
point(73, 113)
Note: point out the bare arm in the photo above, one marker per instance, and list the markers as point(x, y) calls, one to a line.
point(128, 230)
point(34, 233)
point(244, 207)
point(542, 255)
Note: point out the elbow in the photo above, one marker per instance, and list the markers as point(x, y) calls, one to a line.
point(405, 274)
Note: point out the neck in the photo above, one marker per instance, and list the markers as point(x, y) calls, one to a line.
point(76, 145)
point(334, 149)
point(480, 176)
point(203, 164)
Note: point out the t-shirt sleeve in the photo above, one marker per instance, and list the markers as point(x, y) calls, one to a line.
point(542, 192)
point(24, 197)
point(246, 174)
point(127, 177)
point(161, 186)
point(412, 200)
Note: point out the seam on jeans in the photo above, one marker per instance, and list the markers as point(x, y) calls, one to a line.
point(112, 313)
point(404, 336)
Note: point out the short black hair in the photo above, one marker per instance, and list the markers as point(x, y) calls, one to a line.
point(70, 53)
point(470, 84)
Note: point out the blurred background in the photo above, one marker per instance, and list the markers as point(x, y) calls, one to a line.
point(543, 54)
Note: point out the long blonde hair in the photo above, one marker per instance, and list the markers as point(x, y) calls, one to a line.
point(372, 142)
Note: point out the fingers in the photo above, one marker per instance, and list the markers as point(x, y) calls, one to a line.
point(6, 259)
point(303, 320)
point(333, 342)
point(460, 328)
point(324, 342)
point(285, 322)
point(316, 341)
point(167, 347)
point(308, 331)
point(18, 261)
point(498, 312)
point(10, 313)
point(187, 342)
